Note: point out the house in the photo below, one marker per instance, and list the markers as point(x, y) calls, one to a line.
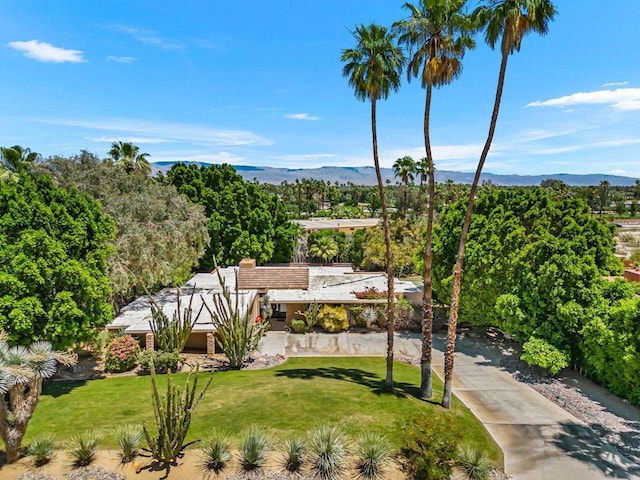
point(345, 225)
point(287, 289)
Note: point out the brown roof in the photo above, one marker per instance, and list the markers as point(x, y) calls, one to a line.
point(279, 278)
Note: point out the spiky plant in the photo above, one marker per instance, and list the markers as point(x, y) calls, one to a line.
point(475, 464)
point(22, 370)
point(373, 454)
point(42, 449)
point(129, 438)
point(172, 335)
point(216, 450)
point(328, 450)
point(293, 454)
point(254, 448)
point(82, 448)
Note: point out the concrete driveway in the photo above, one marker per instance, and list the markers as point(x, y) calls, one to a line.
point(540, 440)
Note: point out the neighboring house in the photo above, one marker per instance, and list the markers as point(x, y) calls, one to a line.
point(345, 225)
point(288, 289)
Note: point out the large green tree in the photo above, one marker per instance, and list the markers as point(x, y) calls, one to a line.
point(53, 263)
point(437, 33)
point(405, 168)
point(507, 22)
point(374, 67)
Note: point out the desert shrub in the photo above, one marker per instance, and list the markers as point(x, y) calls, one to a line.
point(217, 452)
point(122, 354)
point(310, 315)
point(162, 361)
point(129, 438)
point(172, 335)
point(42, 449)
point(537, 351)
point(254, 448)
point(328, 453)
point(82, 448)
point(406, 318)
point(474, 463)
point(298, 326)
point(333, 319)
point(293, 454)
point(373, 453)
point(430, 447)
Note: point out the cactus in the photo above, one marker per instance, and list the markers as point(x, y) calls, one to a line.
point(171, 335)
point(173, 415)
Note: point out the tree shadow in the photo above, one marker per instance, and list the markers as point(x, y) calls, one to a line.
point(583, 443)
point(58, 389)
point(354, 375)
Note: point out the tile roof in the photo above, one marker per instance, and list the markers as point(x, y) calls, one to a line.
point(273, 278)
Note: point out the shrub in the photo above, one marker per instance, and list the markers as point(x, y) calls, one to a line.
point(162, 361)
point(333, 319)
point(406, 318)
point(82, 447)
point(293, 454)
point(172, 335)
point(129, 438)
point(254, 449)
point(430, 447)
point(536, 351)
point(122, 354)
point(474, 463)
point(42, 450)
point(310, 315)
point(373, 453)
point(298, 326)
point(217, 452)
point(328, 453)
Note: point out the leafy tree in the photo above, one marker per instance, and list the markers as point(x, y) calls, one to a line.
point(17, 159)
point(437, 34)
point(22, 370)
point(405, 168)
point(53, 263)
point(374, 67)
point(324, 248)
point(128, 156)
point(508, 21)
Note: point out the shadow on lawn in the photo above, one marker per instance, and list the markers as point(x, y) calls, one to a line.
point(353, 375)
point(57, 389)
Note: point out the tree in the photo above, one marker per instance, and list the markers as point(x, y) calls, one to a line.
point(128, 156)
point(508, 21)
point(404, 168)
point(603, 196)
point(374, 68)
point(438, 34)
point(324, 248)
point(22, 370)
point(422, 169)
point(16, 159)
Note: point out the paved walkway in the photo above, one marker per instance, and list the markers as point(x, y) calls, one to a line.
point(540, 440)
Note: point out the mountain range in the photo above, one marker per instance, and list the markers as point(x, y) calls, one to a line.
point(367, 176)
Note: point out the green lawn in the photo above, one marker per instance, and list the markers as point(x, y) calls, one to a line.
point(293, 397)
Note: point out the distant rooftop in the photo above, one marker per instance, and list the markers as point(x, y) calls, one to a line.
point(315, 224)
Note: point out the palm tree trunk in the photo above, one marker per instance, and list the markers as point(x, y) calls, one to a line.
point(457, 269)
point(388, 382)
point(426, 389)
point(405, 197)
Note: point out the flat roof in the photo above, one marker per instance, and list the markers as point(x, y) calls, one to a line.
point(333, 223)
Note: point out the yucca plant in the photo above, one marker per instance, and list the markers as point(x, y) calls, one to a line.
point(474, 463)
point(254, 448)
point(328, 453)
point(373, 454)
point(129, 438)
point(217, 452)
point(42, 449)
point(82, 448)
point(293, 454)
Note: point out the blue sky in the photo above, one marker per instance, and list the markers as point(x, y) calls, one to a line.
point(256, 82)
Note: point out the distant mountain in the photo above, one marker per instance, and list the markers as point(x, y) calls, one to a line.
point(367, 176)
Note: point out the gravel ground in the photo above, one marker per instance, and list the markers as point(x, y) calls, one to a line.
point(88, 473)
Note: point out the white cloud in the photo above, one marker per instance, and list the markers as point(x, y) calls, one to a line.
point(149, 37)
point(136, 140)
point(620, 98)
point(304, 156)
point(300, 116)
point(197, 156)
point(166, 131)
point(615, 84)
point(587, 146)
point(112, 58)
point(440, 153)
point(45, 52)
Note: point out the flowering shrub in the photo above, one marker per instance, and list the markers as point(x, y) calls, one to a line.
point(370, 293)
point(122, 354)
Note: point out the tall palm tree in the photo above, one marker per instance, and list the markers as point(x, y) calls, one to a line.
point(16, 159)
point(324, 248)
point(507, 21)
point(422, 169)
point(129, 157)
point(374, 68)
point(404, 168)
point(438, 33)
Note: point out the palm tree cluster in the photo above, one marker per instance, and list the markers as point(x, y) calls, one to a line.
point(431, 42)
point(128, 156)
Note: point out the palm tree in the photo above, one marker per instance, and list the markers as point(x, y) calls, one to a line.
point(324, 248)
point(508, 21)
point(374, 68)
point(422, 169)
point(16, 159)
point(22, 370)
point(129, 157)
point(438, 33)
point(404, 168)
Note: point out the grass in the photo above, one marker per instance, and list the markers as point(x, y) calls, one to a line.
point(290, 399)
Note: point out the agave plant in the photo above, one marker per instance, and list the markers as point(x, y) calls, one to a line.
point(373, 453)
point(42, 449)
point(328, 453)
point(82, 448)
